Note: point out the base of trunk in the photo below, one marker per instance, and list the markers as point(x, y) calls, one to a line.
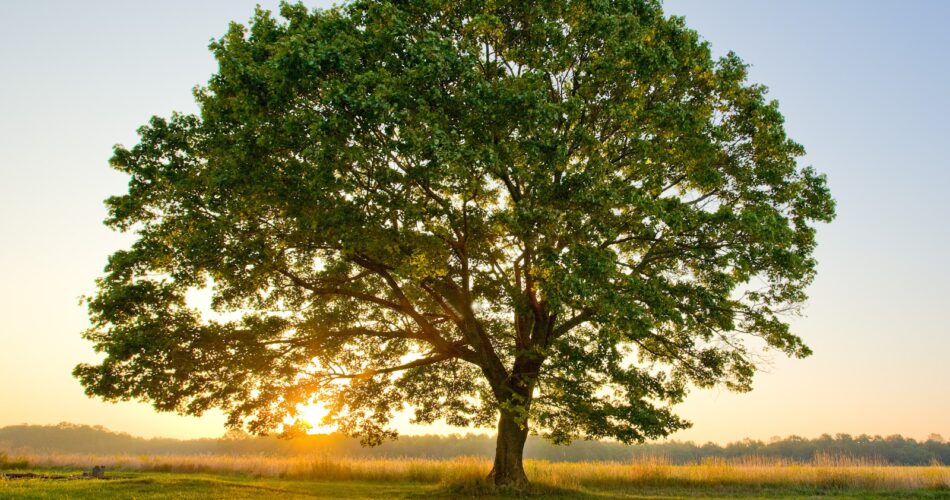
point(511, 478)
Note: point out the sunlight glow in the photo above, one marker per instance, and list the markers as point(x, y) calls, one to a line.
point(311, 416)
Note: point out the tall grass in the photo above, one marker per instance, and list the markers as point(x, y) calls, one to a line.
point(823, 472)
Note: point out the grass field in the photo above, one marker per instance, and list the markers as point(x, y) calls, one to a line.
point(219, 476)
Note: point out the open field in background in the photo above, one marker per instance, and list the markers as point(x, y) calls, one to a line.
point(187, 476)
point(75, 438)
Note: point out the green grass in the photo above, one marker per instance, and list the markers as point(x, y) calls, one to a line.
point(147, 485)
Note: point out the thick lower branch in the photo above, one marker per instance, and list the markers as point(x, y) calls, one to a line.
point(431, 360)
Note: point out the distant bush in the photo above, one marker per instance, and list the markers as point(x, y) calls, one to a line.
point(6, 463)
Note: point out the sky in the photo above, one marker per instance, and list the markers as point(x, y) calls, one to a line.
point(862, 84)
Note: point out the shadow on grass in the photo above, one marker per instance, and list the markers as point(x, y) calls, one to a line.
point(484, 489)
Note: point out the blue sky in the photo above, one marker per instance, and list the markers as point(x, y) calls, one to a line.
point(863, 85)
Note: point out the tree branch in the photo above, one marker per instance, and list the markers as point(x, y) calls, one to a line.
point(571, 323)
point(431, 360)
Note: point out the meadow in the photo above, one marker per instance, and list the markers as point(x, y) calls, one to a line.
point(226, 476)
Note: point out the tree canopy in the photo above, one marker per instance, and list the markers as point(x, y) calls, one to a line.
point(561, 213)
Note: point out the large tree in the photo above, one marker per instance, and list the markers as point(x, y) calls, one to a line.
point(552, 216)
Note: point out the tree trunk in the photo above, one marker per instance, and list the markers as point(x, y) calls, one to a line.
point(508, 470)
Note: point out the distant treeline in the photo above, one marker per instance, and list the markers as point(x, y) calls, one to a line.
point(72, 438)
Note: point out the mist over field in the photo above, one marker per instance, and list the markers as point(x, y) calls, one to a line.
point(72, 438)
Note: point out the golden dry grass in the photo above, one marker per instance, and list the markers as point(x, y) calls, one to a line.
point(824, 472)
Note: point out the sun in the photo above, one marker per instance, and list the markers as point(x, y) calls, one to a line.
point(312, 416)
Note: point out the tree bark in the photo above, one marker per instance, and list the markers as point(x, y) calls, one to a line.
point(508, 470)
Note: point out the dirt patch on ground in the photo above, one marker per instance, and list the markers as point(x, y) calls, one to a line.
point(98, 472)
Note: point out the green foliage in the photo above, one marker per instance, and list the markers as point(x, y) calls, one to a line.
point(566, 211)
